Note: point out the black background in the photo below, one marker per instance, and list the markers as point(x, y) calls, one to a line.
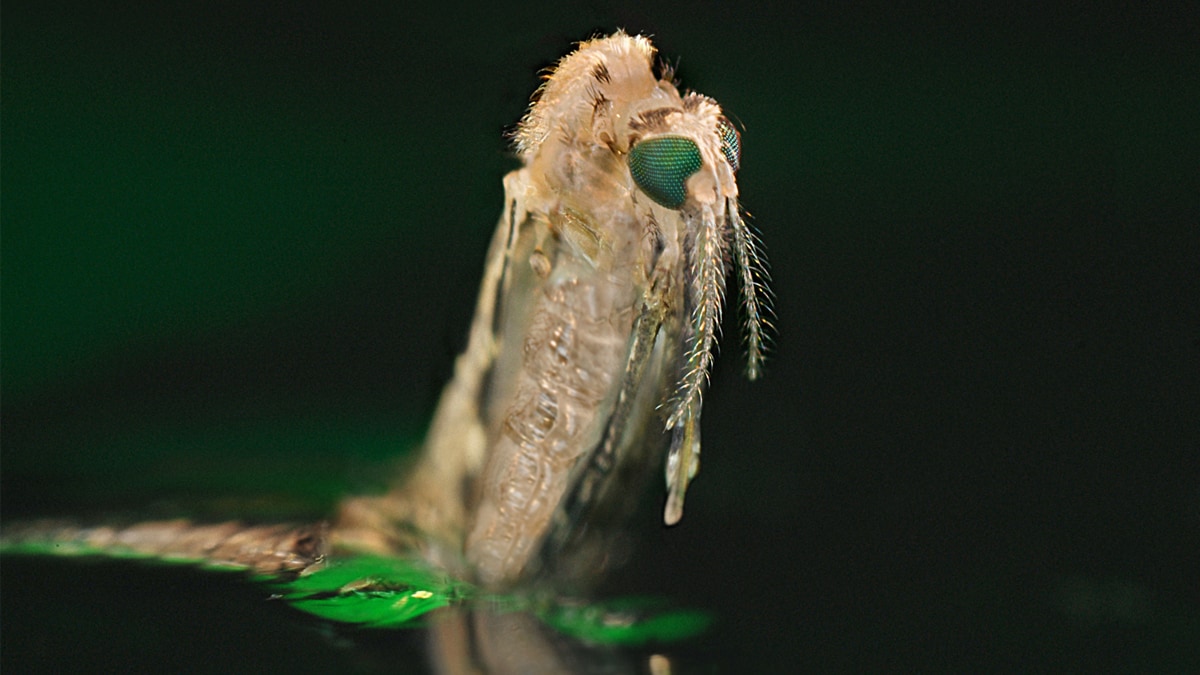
point(240, 246)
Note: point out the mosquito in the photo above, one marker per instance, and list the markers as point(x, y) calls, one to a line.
point(587, 358)
point(596, 321)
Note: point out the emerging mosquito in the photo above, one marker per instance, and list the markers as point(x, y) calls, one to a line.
point(596, 319)
point(588, 354)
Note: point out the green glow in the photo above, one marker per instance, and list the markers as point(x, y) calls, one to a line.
point(374, 592)
point(377, 592)
point(628, 621)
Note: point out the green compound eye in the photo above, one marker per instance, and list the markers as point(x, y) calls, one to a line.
point(661, 166)
point(731, 144)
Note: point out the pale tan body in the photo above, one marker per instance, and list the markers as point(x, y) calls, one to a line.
point(589, 321)
point(568, 272)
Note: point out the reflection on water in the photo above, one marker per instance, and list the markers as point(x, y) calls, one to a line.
point(84, 615)
point(479, 640)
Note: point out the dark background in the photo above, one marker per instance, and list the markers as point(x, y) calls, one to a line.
point(240, 249)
